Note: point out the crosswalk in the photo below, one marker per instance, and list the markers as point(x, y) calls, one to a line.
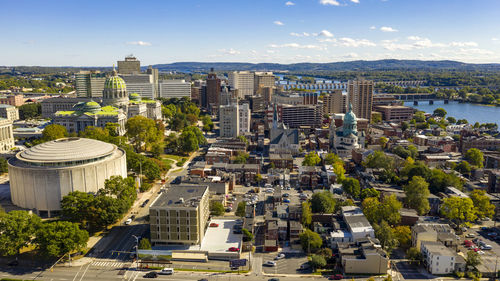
point(113, 264)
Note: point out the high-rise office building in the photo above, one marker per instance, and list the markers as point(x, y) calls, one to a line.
point(143, 84)
point(131, 65)
point(243, 81)
point(334, 102)
point(360, 94)
point(212, 92)
point(244, 113)
point(295, 116)
point(263, 80)
point(175, 89)
point(229, 120)
point(89, 84)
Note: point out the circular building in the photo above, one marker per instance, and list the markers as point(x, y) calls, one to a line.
point(115, 91)
point(42, 175)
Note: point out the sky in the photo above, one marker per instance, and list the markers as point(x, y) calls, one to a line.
point(98, 33)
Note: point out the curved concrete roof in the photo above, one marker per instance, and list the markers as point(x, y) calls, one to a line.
point(65, 150)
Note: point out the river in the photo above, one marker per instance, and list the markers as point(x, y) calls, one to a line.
point(469, 111)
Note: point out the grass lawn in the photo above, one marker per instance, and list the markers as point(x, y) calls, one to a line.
point(171, 156)
point(167, 161)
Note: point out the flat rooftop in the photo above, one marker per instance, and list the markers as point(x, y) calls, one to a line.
point(221, 238)
point(182, 195)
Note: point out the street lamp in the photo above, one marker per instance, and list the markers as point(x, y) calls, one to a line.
point(137, 247)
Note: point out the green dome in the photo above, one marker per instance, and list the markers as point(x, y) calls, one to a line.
point(114, 82)
point(350, 122)
point(134, 97)
point(91, 106)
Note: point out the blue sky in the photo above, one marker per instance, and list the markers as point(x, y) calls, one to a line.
point(98, 33)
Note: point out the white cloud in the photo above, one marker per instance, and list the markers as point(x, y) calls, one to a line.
point(373, 27)
point(351, 56)
point(277, 22)
point(349, 42)
point(289, 3)
point(325, 33)
point(355, 1)
point(303, 34)
point(297, 46)
point(139, 43)
point(329, 2)
point(464, 44)
point(414, 38)
point(474, 51)
point(230, 51)
point(494, 39)
point(388, 29)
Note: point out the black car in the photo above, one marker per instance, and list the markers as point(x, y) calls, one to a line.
point(151, 274)
point(203, 279)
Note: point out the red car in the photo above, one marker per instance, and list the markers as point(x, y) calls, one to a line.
point(336, 277)
point(234, 249)
point(214, 224)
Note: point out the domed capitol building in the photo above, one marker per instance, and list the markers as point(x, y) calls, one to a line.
point(116, 107)
point(346, 138)
point(42, 175)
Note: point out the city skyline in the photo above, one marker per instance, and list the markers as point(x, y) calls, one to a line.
point(93, 33)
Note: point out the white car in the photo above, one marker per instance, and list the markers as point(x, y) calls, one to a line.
point(128, 221)
point(166, 271)
point(270, 263)
point(486, 247)
point(279, 257)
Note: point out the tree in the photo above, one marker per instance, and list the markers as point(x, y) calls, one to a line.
point(247, 235)
point(30, 110)
point(451, 120)
point(383, 141)
point(417, 193)
point(323, 202)
point(54, 132)
point(473, 259)
point(241, 158)
point(332, 158)
point(306, 217)
point(60, 237)
point(310, 241)
point(413, 254)
point(78, 207)
point(216, 208)
point(188, 142)
point(317, 261)
point(258, 178)
point(208, 124)
point(242, 139)
point(419, 116)
point(17, 230)
point(403, 235)
point(440, 112)
point(390, 209)
point(151, 170)
point(458, 209)
point(144, 244)
point(143, 132)
point(475, 157)
point(385, 235)
point(378, 159)
point(369, 192)
point(325, 253)
point(311, 159)
point(338, 169)
point(351, 186)
point(482, 205)
point(463, 168)
point(4, 167)
point(241, 209)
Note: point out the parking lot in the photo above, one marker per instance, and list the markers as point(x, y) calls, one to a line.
point(288, 265)
point(488, 257)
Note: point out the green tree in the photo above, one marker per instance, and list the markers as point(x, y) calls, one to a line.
point(385, 235)
point(440, 112)
point(419, 116)
point(325, 253)
point(151, 170)
point(403, 234)
point(451, 120)
point(323, 202)
point(475, 157)
point(144, 244)
point(317, 261)
point(458, 209)
point(311, 159)
point(60, 237)
point(78, 207)
point(216, 208)
point(388, 210)
point(306, 217)
point(332, 158)
point(310, 241)
point(482, 205)
point(369, 192)
point(463, 167)
point(241, 158)
point(142, 132)
point(188, 142)
point(473, 259)
point(417, 193)
point(30, 111)
point(241, 209)
point(4, 167)
point(208, 124)
point(54, 132)
point(258, 178)
point(338, 169)
point(242, 139)
point(413, 254)
point(383, 141)
point(351, 186)
point(17, 230)
point(247, 235)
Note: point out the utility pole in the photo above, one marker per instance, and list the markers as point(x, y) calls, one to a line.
point(137, 248)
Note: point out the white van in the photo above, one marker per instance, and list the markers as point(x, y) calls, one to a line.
point(128, 221)
point(166, 271)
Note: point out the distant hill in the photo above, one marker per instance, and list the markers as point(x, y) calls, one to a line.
point(360, 65)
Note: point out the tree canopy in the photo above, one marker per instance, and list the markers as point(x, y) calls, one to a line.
point(60, 237)
point(311, 159)
point(351, 186)
point(17, 228)
point(323, 202)
point(310, 241)
point(483, 208)
point(54, 132)
point(475, 157)
point(417, 193)
point(458, 209)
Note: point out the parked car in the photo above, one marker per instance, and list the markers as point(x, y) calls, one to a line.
point(234, 249)
point(336, 277)
point(270, 263)
point(280, 256)
point(305, 266)
point(285, 195)
point(470, 235)
point(128, 221)
point(214, 224)
point(229, 209)
point(274, 279)
point(492, 234)
point(486, 247)
point(151, 274)
point(145, 203)
point(166, 271)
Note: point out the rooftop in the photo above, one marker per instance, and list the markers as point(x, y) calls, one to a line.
point(437, 248)
point(183, 195)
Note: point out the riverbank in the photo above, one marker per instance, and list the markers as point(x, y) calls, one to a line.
point(472, 112)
